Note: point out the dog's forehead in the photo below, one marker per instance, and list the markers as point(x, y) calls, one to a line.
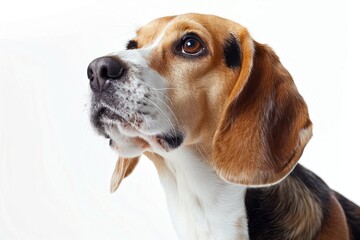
point(149, 32)
point(208, 24)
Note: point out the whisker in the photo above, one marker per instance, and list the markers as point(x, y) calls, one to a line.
point(117, 112)
point(146, 122)
point(169, 99)
point(202, 155)
point(203, 148)
point(125, 139)
point(162, 89)
point(167, 118)
point(171, 111)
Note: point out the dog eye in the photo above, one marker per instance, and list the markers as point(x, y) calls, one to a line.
point(191, 46)
point(132, 44)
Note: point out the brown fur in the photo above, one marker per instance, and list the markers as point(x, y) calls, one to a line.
point(306, 206)
point(219, 97)
point(335, 226)
point(300, 207)
point(249, 122)
point(206, 82)
point(123, 168)
point(264, 128)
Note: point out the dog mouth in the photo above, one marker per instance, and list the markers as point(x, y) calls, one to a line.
point(167, 141)
point(170, 141)
point(104, 118)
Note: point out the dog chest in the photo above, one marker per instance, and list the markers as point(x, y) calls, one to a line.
point(202, 205)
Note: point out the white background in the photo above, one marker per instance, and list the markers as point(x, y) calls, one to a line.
point(55, 171)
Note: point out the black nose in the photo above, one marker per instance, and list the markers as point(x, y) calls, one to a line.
point(102, 70)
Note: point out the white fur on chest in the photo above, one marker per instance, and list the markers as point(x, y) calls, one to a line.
point(202, 206)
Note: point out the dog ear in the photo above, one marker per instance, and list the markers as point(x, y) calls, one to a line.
point(123, 168)
point(264, 125)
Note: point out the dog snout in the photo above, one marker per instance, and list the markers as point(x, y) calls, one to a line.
point(103, 70)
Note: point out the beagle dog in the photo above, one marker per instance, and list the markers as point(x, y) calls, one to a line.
point(224, 124)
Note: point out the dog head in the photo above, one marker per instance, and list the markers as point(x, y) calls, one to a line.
point(200, 79)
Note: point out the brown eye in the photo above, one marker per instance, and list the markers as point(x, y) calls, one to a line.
point(192, 46)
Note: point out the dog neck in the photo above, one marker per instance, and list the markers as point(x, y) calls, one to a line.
point(201, 204)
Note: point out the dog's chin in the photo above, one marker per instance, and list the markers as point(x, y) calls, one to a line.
point(103, 119)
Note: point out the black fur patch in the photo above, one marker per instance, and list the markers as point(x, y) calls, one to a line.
point(269, 208)
point(132, 44)
point(232, 53)
point(170, 141)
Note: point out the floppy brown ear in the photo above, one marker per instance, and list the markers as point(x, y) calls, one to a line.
point(123, 168)
point(265, 124)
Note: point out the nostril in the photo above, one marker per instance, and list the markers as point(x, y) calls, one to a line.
point(113, 70)
point(102, 70)
point(90, 74)
point(103, 73)
point(110, 69)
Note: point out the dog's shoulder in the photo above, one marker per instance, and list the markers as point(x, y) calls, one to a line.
point(295, 208)
point(352, 213)
point(302, 206)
